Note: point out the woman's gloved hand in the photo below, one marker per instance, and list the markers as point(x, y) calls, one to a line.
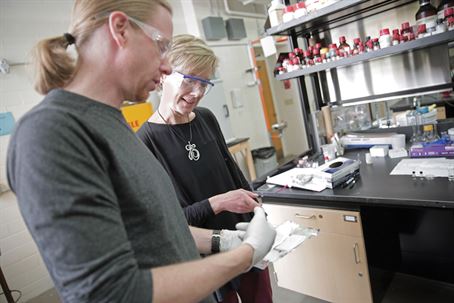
point(260, 234)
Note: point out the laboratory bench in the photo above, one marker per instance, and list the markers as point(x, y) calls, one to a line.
point(381, 231)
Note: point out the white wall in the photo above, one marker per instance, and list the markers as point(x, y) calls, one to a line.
point(22, 23)
point(249, 120)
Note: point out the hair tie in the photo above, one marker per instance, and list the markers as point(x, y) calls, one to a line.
point(69, 38)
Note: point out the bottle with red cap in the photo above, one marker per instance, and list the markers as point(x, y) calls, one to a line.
point(385, 38)
point(422, 31)
point(294, 61)
point(344, 48)
point(448, 13)
point(356, 44)
point(316, 56)
point(308, 58)
point(280, 70)
point(451, 23)
point(332, 52)
point(288, 14)
point(441, 9)
point(405, 31)
point(369, 44)
point(299, 53)
point(427, 14)
point(362, 49)
point(300, 10)
point(376, 44)
point(396, 37)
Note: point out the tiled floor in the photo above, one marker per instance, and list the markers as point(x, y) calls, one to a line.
point(280, 295)
point(403, 289)
point(49, 296)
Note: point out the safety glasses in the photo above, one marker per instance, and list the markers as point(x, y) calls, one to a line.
point(196, 84)
point(155, 35)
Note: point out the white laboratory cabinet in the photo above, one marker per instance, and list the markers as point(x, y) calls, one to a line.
point(331, 266)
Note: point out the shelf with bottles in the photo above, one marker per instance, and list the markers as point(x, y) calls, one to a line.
point(335, 14)
point(434, 40)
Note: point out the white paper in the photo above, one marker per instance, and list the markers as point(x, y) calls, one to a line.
point(289, 235)
point(268, 46)
point(437, 167)
point(290, 179)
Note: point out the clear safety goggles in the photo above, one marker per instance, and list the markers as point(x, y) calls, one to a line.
point(155, 35)
point(195, 84)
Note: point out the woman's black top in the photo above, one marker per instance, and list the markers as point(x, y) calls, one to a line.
point(215, 172)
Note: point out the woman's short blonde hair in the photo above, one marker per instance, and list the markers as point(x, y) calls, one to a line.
point(191, 55)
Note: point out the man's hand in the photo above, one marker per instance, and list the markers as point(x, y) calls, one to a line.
point(231, 239)
point(259, 234)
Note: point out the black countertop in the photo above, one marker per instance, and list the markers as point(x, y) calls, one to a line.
point(375, 187)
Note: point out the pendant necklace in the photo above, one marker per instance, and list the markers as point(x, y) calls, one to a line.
point(193, 152)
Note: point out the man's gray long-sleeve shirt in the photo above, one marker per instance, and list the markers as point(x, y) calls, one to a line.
point(100, 207)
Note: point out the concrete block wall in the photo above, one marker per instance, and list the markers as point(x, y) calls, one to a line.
point(20, 260)
point(22, 23)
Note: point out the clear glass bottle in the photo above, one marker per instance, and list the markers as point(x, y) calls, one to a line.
point(414, 120)
point(428, 134)
point(356, 44)
point(344, 47)
point(332, 51)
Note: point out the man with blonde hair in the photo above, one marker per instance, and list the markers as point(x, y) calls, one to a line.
point(100, 207)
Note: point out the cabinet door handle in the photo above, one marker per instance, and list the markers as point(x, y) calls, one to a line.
point(305, 217)
point(356, 253)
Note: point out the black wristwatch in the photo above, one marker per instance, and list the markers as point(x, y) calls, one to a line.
point(215, 241)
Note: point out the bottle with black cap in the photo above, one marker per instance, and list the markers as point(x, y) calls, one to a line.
point(427, 14)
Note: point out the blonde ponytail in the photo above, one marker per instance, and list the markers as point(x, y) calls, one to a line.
point(53, 66)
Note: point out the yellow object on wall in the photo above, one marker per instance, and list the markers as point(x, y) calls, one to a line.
point(137, 114)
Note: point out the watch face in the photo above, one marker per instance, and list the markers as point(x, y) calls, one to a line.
point(215, 241)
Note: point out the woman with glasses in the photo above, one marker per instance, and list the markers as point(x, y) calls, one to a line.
point(100, 207)
point(188, 142)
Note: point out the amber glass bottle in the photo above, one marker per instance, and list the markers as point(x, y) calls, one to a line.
point(444, 4)
point(427, 14)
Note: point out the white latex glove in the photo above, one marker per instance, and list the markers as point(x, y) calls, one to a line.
point(230, 239)
point(259, 234)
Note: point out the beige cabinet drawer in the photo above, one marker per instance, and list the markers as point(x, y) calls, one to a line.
point(340, 222)
point(327, 220)
point(331, 266)
point(277, 214)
